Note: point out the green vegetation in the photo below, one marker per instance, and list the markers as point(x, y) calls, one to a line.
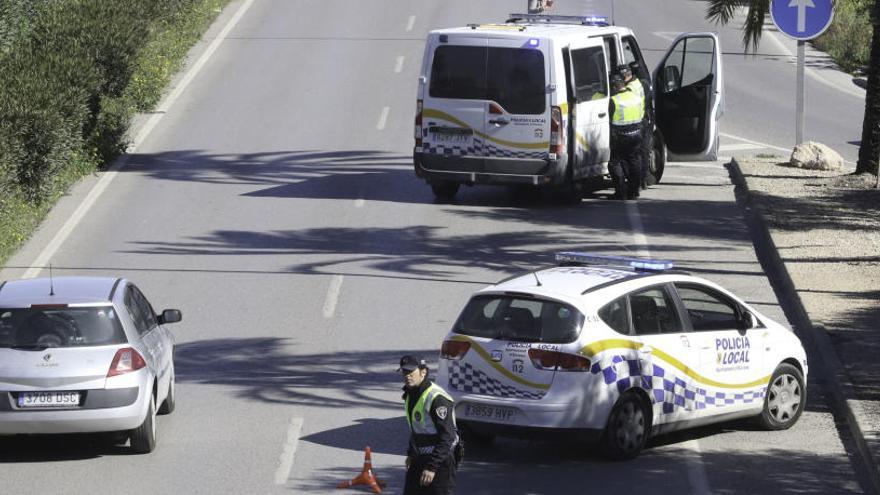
point(848, 39)
point(74, 74)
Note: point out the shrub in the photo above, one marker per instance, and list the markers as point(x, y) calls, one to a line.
point(848, 39)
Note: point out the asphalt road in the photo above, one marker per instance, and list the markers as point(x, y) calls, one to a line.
point(274, 203)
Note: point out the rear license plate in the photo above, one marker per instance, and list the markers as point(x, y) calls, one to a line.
point(28, 400)
point(451, 135)
point(494, 413)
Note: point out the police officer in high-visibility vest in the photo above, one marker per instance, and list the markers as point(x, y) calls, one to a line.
point(638, 87)
point(627, 114)
point(434, 445)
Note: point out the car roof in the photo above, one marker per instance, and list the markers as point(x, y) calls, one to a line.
point(58, 290)
point(570, 281)
point(530, 30)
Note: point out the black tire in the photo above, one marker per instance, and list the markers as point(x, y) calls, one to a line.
point(170, 402)
point(785, 398)
point(628, 428)
point(445, 190)
point(656, 163)
point(143, 438)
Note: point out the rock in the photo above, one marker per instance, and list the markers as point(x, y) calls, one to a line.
point(815, 156)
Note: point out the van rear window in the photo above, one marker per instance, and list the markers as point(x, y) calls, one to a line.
point(520, 319)
point(511, 77)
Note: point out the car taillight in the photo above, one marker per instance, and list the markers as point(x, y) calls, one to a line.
point(557, 132)
point(454, 349)
point(418, 124)
point(552, 360)
point(125, 361)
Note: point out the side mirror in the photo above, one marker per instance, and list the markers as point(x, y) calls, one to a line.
point(670, 78)
point(747, 321)
point(170, 316)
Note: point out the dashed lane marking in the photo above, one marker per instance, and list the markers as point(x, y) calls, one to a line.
point(285, 461)
point(383, 117)
point(410, 23)
point(332, 296)
point(399, 65)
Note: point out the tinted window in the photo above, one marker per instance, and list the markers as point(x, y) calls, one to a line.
point(707, 309)
point(60, 327)
point(614, 315)
point(689, 63)
point(516, 79)
point(147, 313)
point(459, 72)
point(527, 320)
point(141, 324)
point(590, 73)
point(653, 312)
point(512, 77)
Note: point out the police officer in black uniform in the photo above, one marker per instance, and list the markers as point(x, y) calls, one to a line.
point(434, 446)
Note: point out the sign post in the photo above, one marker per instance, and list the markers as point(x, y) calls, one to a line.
point(802, 20)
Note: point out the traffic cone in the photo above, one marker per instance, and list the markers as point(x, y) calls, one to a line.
point(366, 477)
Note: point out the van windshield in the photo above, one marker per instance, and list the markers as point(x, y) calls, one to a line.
point(511, 77)
point(522, 319)
point(60, 327)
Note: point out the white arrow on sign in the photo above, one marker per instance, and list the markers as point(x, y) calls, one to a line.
point(802, 12)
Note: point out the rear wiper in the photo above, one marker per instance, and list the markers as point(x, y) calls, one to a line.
point(30, 347)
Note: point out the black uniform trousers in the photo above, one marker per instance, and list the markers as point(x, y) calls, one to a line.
point(626, 164)
point(444, 478)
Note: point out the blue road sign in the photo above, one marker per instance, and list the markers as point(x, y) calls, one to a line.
point(802, 19)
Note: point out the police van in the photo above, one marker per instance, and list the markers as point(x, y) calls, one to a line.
point(616, 350)
point(526, 102)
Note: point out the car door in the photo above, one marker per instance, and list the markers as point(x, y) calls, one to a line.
point(689, 98)
point(667, 356)
point(517, 118)
point(731, 357)
point(454, 105)
point(587, 73)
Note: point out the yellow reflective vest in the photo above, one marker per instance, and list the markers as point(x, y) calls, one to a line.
point(629, 108)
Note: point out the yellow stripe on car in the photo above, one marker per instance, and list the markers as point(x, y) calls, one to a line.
point(437, 114)
point(595, 348)
point(486, 357)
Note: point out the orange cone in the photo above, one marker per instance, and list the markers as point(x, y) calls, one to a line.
point(366, 477)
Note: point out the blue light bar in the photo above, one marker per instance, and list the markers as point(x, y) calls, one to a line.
point(595, 19)
point(598, 259)
point(533, 42)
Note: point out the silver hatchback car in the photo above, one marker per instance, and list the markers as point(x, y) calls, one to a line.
point(81, 355)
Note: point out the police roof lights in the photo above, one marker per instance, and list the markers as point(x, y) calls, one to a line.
point(598, 259)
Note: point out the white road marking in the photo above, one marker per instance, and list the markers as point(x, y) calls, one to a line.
point(756, 143)
point(359, 203)
point(666, 35)
point(713, 165)
point(55, 244)
point(332, 296)
point(739, 147)
point(410, 23)
point(696, 469)
point(399, 65)
point(383, 117)
point(285, 463)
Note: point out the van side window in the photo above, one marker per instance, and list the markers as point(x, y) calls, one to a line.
point(610, 51)
point(590, 73)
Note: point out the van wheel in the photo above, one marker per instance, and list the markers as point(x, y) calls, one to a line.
point(445, 190)
point(143, 438)
point(656, 163)
point(628, 429)
point(785, 398)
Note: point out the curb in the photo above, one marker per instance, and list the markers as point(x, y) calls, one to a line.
point(840, 387)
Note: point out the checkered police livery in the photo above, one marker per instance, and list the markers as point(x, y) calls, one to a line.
point(477, 147)
point(668, 391)
point(466, 378)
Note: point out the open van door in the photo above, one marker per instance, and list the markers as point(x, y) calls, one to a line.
point(688, 97)
point(587, 72)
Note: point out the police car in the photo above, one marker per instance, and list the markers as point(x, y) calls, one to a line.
point(526, 102)
point(617, 350)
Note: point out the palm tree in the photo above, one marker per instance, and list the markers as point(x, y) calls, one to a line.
point(723, 11)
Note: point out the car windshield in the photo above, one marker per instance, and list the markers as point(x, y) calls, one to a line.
point(60, 327)
point(518, 318)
